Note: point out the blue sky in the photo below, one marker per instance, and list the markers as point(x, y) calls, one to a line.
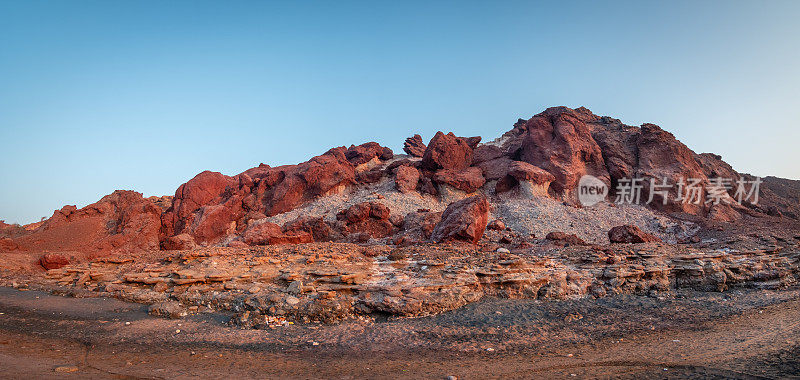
point(142, 95)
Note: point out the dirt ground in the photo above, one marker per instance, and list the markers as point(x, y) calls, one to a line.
point(736, 334)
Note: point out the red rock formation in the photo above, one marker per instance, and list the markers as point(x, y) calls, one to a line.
point(406, 179)
point(414, 146)
point(446, 151)
point(469, 179)
point(464, 220)
point(267, 233)
point(122, 222)
point(212, 206)
point(560, 142)
point(420, 224)
point(630, 234)
point(178, 242)
point(199, 191)
point(368, 218)
point(317, 227)
point(53, 261)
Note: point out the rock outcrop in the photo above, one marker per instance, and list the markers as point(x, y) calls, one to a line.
point(267, 233)
point(406, 179)
point(464, 220)
point(53, 261)
point(630, 234)
point(446, 151)
point(211, 206)
point(414, 146)
point(368, 218)
point(120, 222)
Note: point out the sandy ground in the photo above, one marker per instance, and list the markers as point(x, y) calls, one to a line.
point(738, 334)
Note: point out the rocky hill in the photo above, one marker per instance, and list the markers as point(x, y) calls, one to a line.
point(524, 182)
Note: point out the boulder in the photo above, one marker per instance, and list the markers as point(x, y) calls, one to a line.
point(168, 309)
point(369, 176)
point(367, 218)
point(180, 242)
point(630, 234)
point(446, 151)
point(485, 153)
point(468, 180)
point(213, 223)
point(368, 154)
point(53, 261)
point(266, 233)
point(472, 142)
point(496, 225)
point(414, 146)
point(199, 191)
point(496, 168)
point(406, 179)
point(421, 223)
point(562, 238)
point(319, 229)
point(464, 220)
point(525, 172)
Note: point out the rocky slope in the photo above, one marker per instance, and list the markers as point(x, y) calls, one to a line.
point(513, 195)
point(540, 158)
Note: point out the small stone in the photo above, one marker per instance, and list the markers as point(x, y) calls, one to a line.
point(296, 287)
point(160, 287)
point(66, 369)
point(169, 309)
point(292, 300)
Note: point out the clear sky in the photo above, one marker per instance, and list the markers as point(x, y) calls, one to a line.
point(142, 95)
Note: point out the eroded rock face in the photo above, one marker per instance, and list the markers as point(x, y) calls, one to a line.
point(414, 146)
point(266, 233)
point(561, 143)
point(406, 179)
point(418, 226)
point(468, 180)
point(180, 242)
point(630, 234)
point(212, 207)
point(367, 218)
point(199, 191)
point(319, 229)
point(464, 220)
point(53, 261)
point(119, 222)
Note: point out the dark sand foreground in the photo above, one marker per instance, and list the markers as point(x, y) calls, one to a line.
point(737, 334)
